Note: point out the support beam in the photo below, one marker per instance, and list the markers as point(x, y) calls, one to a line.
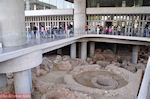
point(73, 50)
point(84, 50)
point(135, 50)
point(22, 83)
point(79, 16)
point(3, 80)
point(92, 48)
point(12, 22)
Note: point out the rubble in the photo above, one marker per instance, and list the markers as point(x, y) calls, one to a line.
point(63, 65)
point(69, 88)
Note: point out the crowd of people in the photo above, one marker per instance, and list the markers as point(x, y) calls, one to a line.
point(53, 32)
point(120, 30)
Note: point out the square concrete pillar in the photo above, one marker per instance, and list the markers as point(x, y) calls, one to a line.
point(84, 50)
point(79, 16)
point(73, 50)
point(135, 50)
point(92, 48)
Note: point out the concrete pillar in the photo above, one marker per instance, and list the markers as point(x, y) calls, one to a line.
point(3, 80)
point(12, 22)
point(84, 50)
point(27, 4)
point(30, 78)
point(123, 3)
point(22, 83)
point(115, 48)
point(73, 50)
point(92, 49)
point(79, 16)
point(44, 7)
point(34, 6)
point(79, 50)
point(59, 51)
point(135, 50)
point(139, 3)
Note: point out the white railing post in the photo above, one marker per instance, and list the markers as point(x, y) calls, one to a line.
point(145, 83)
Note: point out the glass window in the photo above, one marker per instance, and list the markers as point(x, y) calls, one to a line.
point(117, 3)
point(48, 4)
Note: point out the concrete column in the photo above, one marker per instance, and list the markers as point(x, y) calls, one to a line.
point(27, 4)
point(3, 80)
point(30, 78)
point(22, 83)
point(135, 50)
point(79, 16)
point(12, 22)
point(84, 50)
point(115, 48)
point(79, 50)
point(73, 50)
point(34, 6)
point(59, 51)
point(92, 49)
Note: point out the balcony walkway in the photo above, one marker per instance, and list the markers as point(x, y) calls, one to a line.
point(49, 44)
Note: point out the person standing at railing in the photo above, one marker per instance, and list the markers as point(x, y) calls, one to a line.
point(145, 32)
point(68, 31)
point(110, 30)
point(105, 29)
point(98, 29)
point(149, 30)
point(101, 29)
point(86, 29)
point(115, 30)
point(61, 29)
point(42, 31)
point(64, 30)
point(35, 30)
point(119, 30)
point(29, 33)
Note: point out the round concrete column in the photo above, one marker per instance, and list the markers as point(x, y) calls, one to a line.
point(22, 83)
point(21, 67)
point(92, 49)
point(84, 50)
point(30, 78)
point(135, 50)
point(79, 16)
point(12, 22)
point(73, 50)
point(3, 80)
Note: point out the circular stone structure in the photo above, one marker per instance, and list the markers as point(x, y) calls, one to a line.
point(104, 82)
point(111, 81)
point(101, 79)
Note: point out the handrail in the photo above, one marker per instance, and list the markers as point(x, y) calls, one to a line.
point(143, 94)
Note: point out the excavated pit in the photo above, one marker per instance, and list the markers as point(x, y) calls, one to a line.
point(100, 79)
